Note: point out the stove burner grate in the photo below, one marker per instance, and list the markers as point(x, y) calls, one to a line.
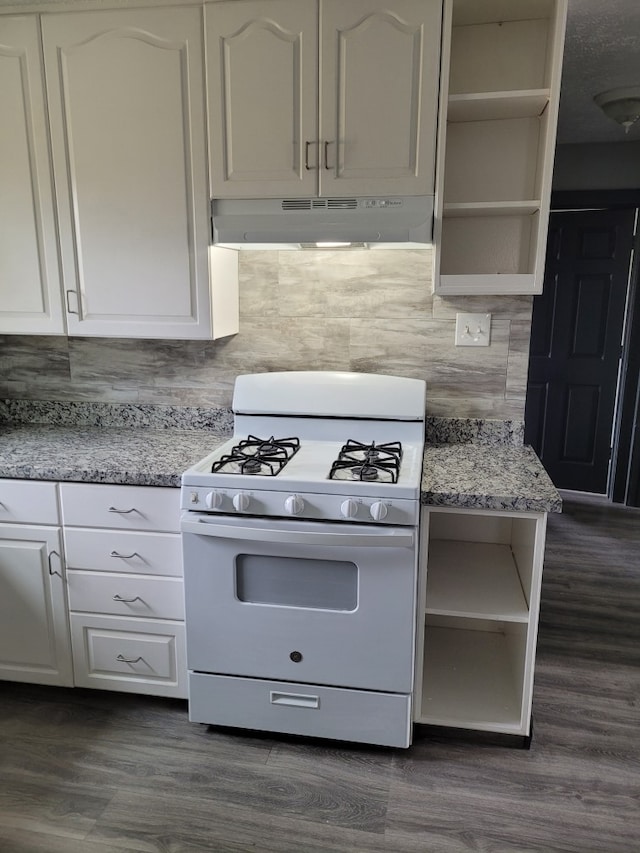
point(257, 456)
point(368, 462)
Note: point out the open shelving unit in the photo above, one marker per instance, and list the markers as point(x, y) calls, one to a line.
point(497, 124)
point(480, 582)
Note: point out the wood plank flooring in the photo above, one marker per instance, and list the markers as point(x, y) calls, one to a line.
point(90, 772)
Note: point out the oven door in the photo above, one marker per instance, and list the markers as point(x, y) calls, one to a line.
point(300, 601)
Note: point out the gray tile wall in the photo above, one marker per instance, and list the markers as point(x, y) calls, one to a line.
point(369, 311)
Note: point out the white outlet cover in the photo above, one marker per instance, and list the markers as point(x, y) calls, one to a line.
point(473, 330)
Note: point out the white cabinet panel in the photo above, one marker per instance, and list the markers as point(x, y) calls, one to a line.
point(126, 95)
point(29, 502)
point(380, 65)
point(263, 58)
point(121, 551)
point(34, 633)
point(30, 296)
point(346, 106)
point(126, 595)
point(129, 655)
point(120, 507)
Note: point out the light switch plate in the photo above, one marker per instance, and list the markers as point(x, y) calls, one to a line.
point(473, 330)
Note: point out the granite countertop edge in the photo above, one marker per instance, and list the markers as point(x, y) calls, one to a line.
point(471, 476)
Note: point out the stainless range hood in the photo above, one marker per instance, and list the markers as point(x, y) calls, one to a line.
point(374, 220)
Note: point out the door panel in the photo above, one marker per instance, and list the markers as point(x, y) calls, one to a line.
point(263, 98)
point(576, 339)
point(377, 98)
point(29, 280)
point(126, 92)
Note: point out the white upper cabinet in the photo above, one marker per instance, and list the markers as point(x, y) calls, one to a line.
point(329, 99)
point(30, 296)
point(127, 116)
point(499, 102)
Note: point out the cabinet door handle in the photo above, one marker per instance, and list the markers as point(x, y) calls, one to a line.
point(307, 145)
point(123, 659)
point(326, 154)
point(69, 308)
point(122, 511)
point(125, 556)
point(117, 597)
point(52, 571)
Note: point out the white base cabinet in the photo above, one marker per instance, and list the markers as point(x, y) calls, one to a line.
point(480, 580)
point(126, 597)
point(34, 632)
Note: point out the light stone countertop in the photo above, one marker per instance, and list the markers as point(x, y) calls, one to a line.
point(480, 477)
point(462, 475)
point(138, 457)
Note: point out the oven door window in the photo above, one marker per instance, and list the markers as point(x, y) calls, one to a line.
point(296, 582)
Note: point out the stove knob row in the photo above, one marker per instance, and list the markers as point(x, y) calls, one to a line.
point(294, 505)
point(349, 508)
point(213, 500)
point(240, 502)
point(378, 511)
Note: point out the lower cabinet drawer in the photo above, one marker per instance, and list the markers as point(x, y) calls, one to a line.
point(301, 709)
point(126, 595)
point(130, 655)
point(123, 551)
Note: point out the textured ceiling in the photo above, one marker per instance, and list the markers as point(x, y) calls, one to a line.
point(602, 51)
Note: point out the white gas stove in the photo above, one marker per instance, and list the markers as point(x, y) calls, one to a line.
point(300, 558)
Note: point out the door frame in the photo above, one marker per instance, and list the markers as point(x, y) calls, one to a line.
point(624, 475)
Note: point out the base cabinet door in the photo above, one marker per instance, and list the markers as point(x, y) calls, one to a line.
point(34, 634)
point(30, 297)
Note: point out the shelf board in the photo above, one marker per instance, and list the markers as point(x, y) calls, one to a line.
point(489, 106)
point(469, 683)
point(486, 284)
point(491, 208)
point(474, 579)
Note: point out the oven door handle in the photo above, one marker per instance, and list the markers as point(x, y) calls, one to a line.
point(293, 537)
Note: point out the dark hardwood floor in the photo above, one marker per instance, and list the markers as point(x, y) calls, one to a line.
point(90, 772)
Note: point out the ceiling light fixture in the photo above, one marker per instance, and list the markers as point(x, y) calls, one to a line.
point(621, 105)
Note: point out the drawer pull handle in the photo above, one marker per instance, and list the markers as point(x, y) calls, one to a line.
point(295, 700)
point(117, 597)
point(125, 556)
point(123, 659)
point(122, 511)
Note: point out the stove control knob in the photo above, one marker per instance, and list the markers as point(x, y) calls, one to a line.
point(240, 502)
point(349, 508)
point(378, 511)
point(294, 505)
point(213, 500)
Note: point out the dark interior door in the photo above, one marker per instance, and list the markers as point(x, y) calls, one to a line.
point(575, 350)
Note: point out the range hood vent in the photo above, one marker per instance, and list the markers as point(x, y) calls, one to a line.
point(398, 220)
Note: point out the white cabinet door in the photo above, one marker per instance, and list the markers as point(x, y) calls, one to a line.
point(348, 108)
point(34, 632)
point(127, 105)
point(263, 62)
point(379, 94)
point(30, 296)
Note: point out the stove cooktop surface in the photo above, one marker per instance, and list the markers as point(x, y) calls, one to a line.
point(349, 467)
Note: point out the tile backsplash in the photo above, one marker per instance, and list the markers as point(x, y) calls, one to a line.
point(367, 311)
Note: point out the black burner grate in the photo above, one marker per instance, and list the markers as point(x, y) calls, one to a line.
point(264, 456)
point(368, 462)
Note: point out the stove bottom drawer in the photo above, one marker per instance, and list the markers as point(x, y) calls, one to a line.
point(301, 709)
